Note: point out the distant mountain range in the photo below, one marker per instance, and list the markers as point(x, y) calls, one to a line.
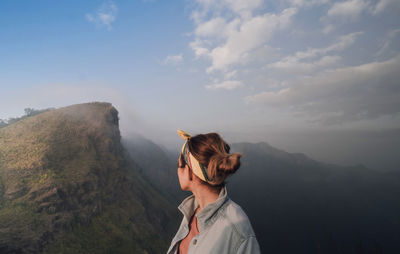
point(296, 204)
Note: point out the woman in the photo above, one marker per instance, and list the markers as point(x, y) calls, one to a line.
point(212, 223)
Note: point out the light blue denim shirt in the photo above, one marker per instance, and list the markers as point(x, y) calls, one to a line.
point(223, 228)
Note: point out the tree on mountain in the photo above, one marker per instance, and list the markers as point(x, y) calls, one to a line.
point(28, 112)
point(3, 123)
point(32, 111)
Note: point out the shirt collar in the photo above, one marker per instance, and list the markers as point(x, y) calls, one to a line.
point(205, 216)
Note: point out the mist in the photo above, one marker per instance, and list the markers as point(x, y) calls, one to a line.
point(376, 149)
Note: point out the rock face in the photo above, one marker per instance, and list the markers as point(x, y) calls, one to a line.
point(67, 186)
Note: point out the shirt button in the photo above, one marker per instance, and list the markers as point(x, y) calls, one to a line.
point(194, 241)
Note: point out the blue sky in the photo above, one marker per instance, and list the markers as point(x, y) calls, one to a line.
point(250, 69)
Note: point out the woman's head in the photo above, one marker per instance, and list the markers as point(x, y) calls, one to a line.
point(211, 153)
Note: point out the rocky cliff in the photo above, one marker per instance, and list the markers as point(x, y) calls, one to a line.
point(67, 186)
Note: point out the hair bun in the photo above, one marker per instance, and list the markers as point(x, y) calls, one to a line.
point(220, 166)
point(230, 163)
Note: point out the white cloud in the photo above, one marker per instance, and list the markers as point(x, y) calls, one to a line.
point(243, 8)
point(352, 10)
point(227, 84)
point(230, 33)
point(342, 43)
point(105, 15)
point(199, 48)
point(173, 59)
point(231, 74)
point(384, 4)
point(344, 11)
point(307, 3)
point(213, 27)
point(251, 34)
point(327, 61)
point(387, 41)
point(348, 9)
point(240, 5)
point(328, 28)
point(296, 64)
point(334, 96)
point(217, 28)
point(293, 66)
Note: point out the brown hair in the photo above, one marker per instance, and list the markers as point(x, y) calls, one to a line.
point(213, 152)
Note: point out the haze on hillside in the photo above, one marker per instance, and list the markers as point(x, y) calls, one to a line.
point(317, 77)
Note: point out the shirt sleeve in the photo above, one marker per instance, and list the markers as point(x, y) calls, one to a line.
point(249, 246)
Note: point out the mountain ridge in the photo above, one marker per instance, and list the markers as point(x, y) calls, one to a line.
point(65, 180)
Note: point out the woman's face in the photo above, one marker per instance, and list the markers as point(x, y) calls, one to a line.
point(183, 174)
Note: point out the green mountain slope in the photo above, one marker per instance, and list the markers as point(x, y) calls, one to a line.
point(67, 186)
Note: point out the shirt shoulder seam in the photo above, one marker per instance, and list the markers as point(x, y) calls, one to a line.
point(242, 237)
point(244, 240)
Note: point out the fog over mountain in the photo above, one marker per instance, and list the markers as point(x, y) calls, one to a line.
point(375, 147)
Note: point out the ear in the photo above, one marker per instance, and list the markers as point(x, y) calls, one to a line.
point(190, 173)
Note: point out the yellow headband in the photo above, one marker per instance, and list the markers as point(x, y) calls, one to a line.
point(198, 169)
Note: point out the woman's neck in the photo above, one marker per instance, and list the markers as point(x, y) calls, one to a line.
point(205, 196)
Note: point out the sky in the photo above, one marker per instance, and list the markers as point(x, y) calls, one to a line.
point(313, 76)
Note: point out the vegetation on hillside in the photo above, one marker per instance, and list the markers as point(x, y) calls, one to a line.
point(67, 186)
point(28, 112)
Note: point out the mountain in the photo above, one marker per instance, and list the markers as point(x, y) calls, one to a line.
point(299, 205)
point(68, 186)
point(304, 206)
point(156, 164)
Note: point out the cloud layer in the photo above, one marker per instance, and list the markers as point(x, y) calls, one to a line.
point(316, 58)
point(344, 94)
